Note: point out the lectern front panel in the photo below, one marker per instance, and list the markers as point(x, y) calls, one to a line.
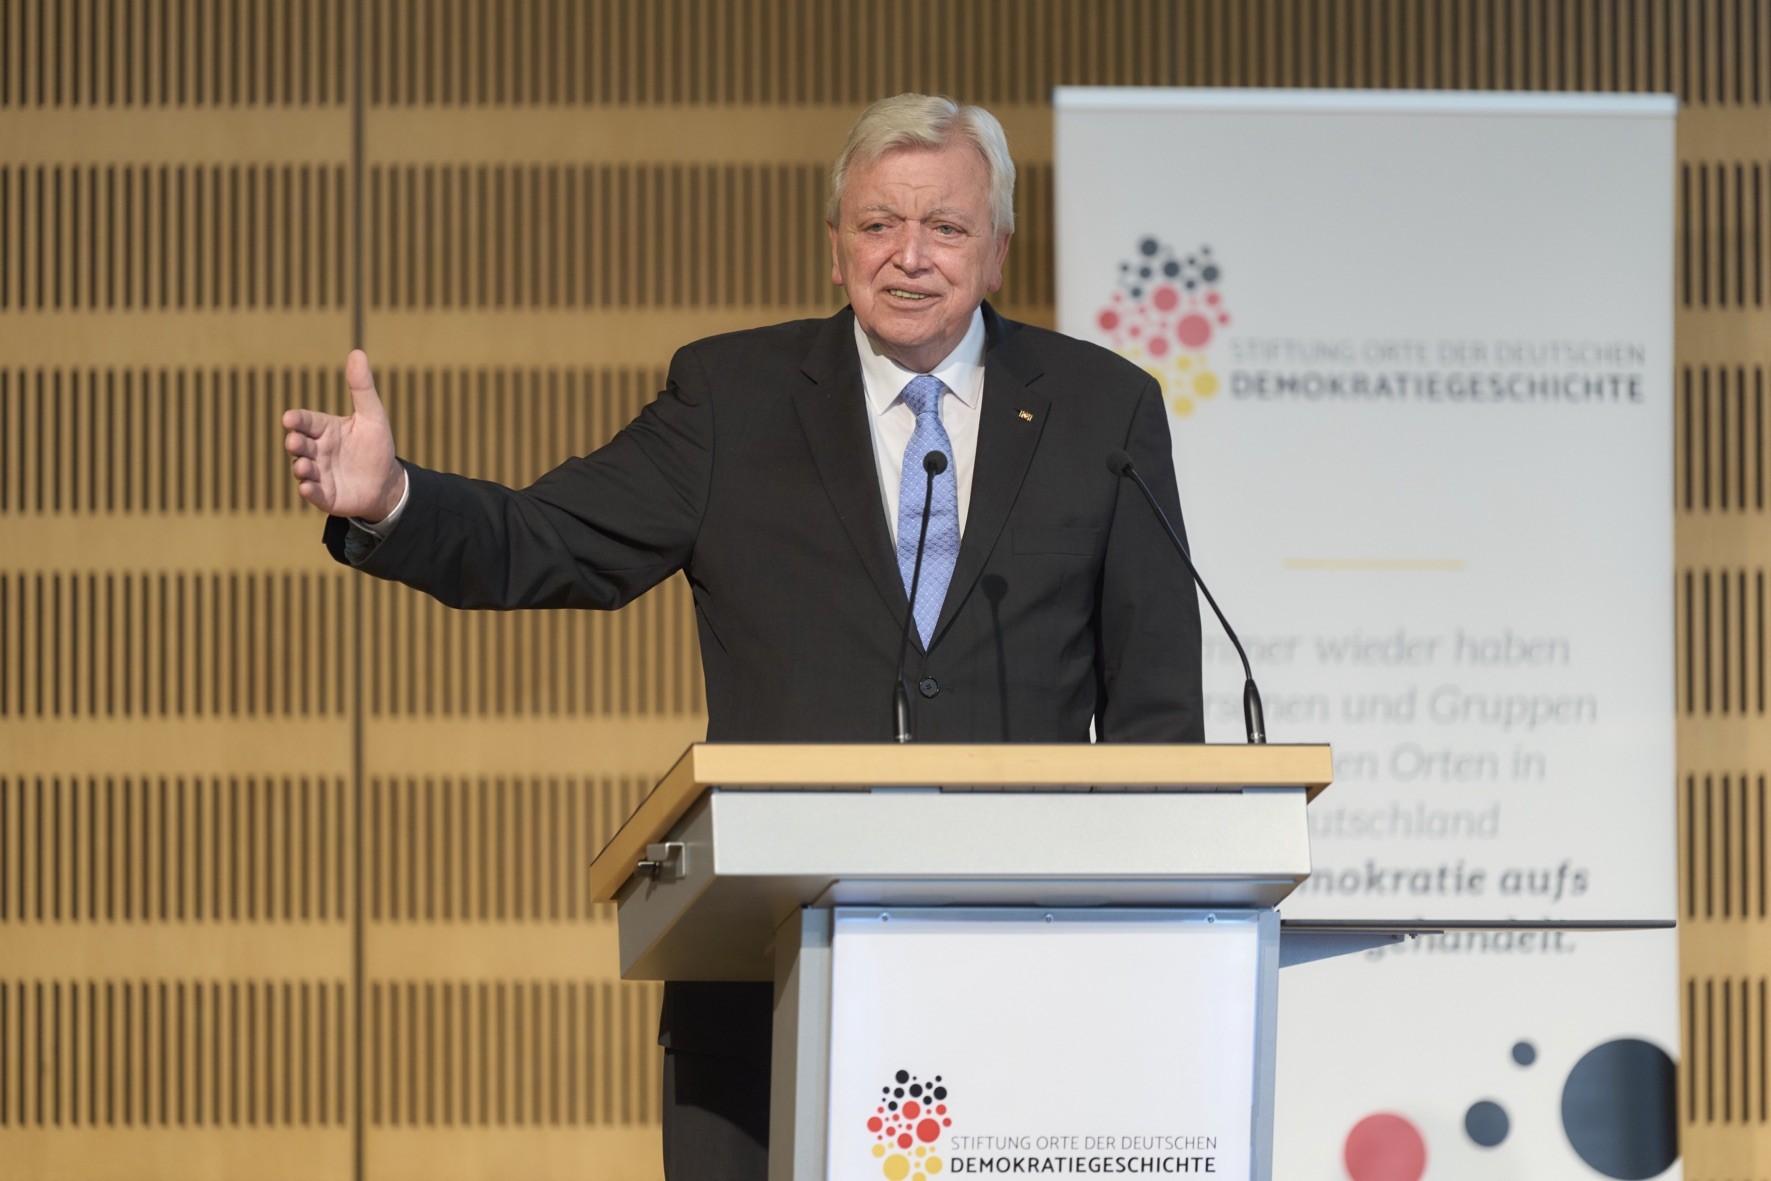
point(965, 1042)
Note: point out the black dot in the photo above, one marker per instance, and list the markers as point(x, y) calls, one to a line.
point(1210, 274)
point(1137, 292)
point(897, 1092)
point(1487, 1123)
point(1148, 246)
point(1125, 266)
point(939, 1092)
point(1191, 261)
point(902, 1076)
point(916, 1090)
point(1189, 284)
point(1171, 268)
point(1205, 250)
point(1145, 272)
point(1619, 1109)
point(1524, 1053)
point(893, 1106)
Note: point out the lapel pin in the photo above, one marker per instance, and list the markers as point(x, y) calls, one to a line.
point(1026, 416)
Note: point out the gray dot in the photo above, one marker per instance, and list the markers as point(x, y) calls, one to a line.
point(1524, 1053)
point(1487, 1123)
point(1617, 1110)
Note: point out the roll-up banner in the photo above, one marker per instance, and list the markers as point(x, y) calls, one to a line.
point(1417, 352)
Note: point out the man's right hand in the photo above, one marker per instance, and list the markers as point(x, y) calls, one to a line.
point(346, 466)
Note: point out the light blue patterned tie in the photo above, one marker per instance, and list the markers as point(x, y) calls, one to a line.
point(941, 553)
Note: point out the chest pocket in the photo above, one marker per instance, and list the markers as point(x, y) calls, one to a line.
point(1049, 539)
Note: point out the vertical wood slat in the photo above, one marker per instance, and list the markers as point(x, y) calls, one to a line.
point(1725, 1072)
point(86, 848)
point(172, 645)
point(167, 441)
point(1722, 826)
point(447, 1052)
point(105, 1053)
point(110, 237)
point(782, 51)
point(490, 850)
point(1720, 438)
point(172, 53)
point(1720, 641)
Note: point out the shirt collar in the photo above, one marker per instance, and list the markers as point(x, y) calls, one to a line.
point(961, 371)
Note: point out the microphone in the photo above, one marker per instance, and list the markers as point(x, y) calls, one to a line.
point(1120, 464)
point(934, 463)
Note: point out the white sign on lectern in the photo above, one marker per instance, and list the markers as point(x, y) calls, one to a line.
point(1064, 1042)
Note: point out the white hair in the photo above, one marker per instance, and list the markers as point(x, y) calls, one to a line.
point(928, 121)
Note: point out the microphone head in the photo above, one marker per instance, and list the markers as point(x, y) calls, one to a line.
point(1119, 463)
point(935, 462)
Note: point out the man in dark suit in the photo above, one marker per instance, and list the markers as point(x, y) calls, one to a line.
point(781, 470)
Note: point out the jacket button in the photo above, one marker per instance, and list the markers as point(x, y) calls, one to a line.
point(928, 686)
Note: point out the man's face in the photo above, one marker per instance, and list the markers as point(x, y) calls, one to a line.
point(914, 248)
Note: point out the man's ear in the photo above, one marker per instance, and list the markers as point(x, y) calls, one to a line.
point(998, 252)
point(835, 257)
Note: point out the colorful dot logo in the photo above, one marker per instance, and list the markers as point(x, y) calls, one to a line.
point(1164, 314)
point(907, 1125)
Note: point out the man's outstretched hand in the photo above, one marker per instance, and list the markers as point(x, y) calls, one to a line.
point(346, 466)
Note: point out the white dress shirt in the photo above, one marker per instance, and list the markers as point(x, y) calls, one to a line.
point(890, 421)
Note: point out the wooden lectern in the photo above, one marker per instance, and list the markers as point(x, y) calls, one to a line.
point(954, 902)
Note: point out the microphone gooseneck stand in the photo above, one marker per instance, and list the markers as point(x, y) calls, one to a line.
point(934, 463)
point(1254, 719)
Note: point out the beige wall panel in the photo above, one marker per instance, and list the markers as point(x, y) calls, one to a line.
point(196, 750)
point(261, 1149)
point(176, 784)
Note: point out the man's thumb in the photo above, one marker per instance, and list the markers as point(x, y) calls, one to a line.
point(364, 400)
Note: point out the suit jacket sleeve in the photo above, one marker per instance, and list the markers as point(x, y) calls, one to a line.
point(597, 531)
point(1147, 623)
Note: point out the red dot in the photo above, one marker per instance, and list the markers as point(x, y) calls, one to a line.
point(875, 1124)
point(1165, 298)
point(904, 1140)
point(1385, 1147)
point(927, 1130)
point(1223, 317)
point(946, 1123)
point(1134, 330)
point(940, 1109)
point(1211, 297)
point(912, 1109)
point(1157, 346)
point(1193, 331)
point(1108, 320)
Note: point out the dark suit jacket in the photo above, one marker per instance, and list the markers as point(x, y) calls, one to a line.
point(753, 473)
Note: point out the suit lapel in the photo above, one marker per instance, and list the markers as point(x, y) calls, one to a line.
point(1006, 441)
point(833, 414)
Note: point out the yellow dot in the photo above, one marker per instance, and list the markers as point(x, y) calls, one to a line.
point(933, 1164)
point(921, 1151)
point(1183, 406)
point(1205, 385)
point(1183, 362)
point(879, 1150)
point(897, 1167)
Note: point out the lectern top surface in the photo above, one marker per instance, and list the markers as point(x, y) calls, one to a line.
point(953, 767)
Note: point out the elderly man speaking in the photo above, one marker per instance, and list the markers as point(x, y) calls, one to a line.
point(782, 471)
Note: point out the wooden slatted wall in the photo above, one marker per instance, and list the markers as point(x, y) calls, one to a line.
point(289, 861)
